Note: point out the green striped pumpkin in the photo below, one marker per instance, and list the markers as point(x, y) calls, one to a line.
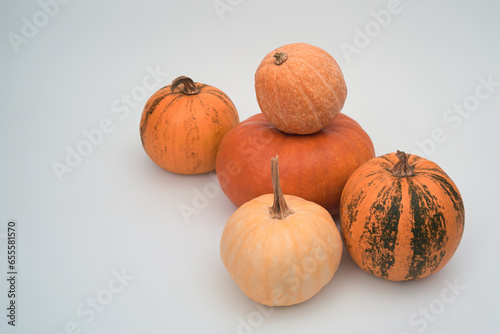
point(402, 217)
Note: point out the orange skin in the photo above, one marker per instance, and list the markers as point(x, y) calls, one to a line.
point(314, 167)
point(304, 93)
point(281, 257)
point(401, 227)
point(181, 133)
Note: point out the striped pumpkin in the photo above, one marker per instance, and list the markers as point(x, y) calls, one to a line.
point(402, 217)
point(183, 123)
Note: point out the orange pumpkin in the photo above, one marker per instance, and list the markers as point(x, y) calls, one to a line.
point(402, 217)
point(300, 88)
point(280, 249)
point(315, 167)
point(182, 125)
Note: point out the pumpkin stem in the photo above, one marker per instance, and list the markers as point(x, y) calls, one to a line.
point(280, 209)
point(188, 86)
point(402, 168)
point(281, 57)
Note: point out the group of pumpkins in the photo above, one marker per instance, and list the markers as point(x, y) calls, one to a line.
point(401, 216)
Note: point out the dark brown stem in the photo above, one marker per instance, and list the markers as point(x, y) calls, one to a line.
point(402, 168)
point(281, 57)
point(188, 85)
point(280, 209)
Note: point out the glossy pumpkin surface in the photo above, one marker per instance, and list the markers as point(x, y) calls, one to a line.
point(182, 125)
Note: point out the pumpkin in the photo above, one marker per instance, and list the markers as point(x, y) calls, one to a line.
point(300, 88)
point(182, 125)
point(280, 249)
point(402, 217)
point(315, 167)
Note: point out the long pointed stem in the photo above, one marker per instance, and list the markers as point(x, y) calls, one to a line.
point(280, 209)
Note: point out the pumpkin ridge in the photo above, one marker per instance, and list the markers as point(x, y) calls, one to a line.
point(162, 93)
point(276, 97)
point(235, 252)
point(456, 200)
point(150, 110)
point(436, 219)
point(303, 93)
point(200, 86)
point(352, 208)
point(353, 212)
point(327, 84)
point(349, 125)
point(295, 234)
point(228, 103)
point(381, 232)
point(235, 265)
point(154, 106)
point(215, 91)
point(386, 158)
point(430, 171)
point(182, 127)
point(194, 136)
point(450, 190)
point(426, 228)
point(348, 140)
point(211, 118)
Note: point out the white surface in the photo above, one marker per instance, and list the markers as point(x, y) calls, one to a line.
point(118, 211)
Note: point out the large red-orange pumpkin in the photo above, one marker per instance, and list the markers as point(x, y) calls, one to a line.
point(300, 88)
point(183, 123)
point(314, 167)
point(402, 217)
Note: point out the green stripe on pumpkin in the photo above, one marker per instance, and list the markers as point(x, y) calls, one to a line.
point(429, 231)
point(381, 228)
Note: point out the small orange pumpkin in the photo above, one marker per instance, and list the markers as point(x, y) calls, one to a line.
point(402, 217)
point(183, 123)
point(300, 88)
point(280, 249)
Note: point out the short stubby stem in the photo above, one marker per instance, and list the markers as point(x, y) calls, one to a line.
point(281, 57)
point(402, 168)
point(188, 85)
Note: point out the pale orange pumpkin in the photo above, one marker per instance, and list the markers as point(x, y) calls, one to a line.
point(182, 125)
point(300, 88)
point(280, 249)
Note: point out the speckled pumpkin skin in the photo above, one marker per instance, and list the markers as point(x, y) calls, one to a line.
point(401, 228)
point(181, 133)
point(303, 94)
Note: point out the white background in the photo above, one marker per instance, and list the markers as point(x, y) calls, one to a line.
point(117, 211)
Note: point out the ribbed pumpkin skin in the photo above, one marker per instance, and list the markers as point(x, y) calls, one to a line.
point(401, 228)
point(303, 94)
point(314, 167)
point(281, 262)
point(181, 133)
